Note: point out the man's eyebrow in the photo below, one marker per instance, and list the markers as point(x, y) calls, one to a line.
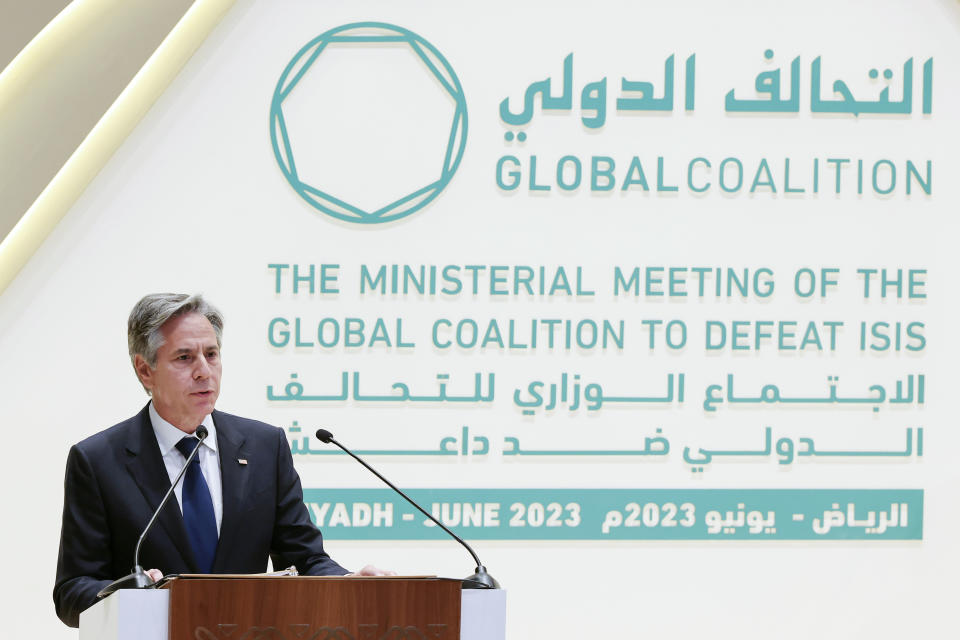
point(213, 346)
point(183, 350)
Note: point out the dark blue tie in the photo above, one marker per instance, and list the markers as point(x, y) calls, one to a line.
point(198, 516)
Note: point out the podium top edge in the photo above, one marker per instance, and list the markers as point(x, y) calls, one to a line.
point(260, 576)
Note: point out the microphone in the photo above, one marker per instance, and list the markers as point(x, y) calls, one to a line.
point(480, 578)
point(138, 579)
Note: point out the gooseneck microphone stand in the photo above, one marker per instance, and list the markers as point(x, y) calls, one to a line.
point(138, 578)
point(480, 578)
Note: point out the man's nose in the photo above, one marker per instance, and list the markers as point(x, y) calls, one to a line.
point(202, 370)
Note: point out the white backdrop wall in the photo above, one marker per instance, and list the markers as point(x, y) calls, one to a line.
point(196, 201)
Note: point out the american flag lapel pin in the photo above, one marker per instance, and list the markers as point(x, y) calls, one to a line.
point(242, 460)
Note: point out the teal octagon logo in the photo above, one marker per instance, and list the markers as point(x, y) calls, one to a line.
point(329, 136)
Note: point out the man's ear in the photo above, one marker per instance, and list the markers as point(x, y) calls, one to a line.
point(144, 372)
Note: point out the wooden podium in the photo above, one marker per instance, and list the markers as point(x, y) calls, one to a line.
point(299, 608)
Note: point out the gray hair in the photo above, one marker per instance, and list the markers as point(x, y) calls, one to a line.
point(144, 334)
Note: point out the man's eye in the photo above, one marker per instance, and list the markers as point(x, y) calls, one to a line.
point(183, 357)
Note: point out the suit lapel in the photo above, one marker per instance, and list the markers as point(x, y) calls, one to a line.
point(146, 466)
point(233, 477)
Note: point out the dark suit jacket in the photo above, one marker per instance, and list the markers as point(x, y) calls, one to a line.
point(116, 479)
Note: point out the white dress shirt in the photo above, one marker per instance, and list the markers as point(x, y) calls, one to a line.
point(168, 436)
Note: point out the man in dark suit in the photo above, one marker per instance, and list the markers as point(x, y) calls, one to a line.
point(241, 504)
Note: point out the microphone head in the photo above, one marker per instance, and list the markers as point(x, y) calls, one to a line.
point(324, 436)
point(202, 432)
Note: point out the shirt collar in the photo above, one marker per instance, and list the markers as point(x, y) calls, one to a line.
point(168, 435)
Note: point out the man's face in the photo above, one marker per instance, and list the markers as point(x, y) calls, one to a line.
point(186, 381)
